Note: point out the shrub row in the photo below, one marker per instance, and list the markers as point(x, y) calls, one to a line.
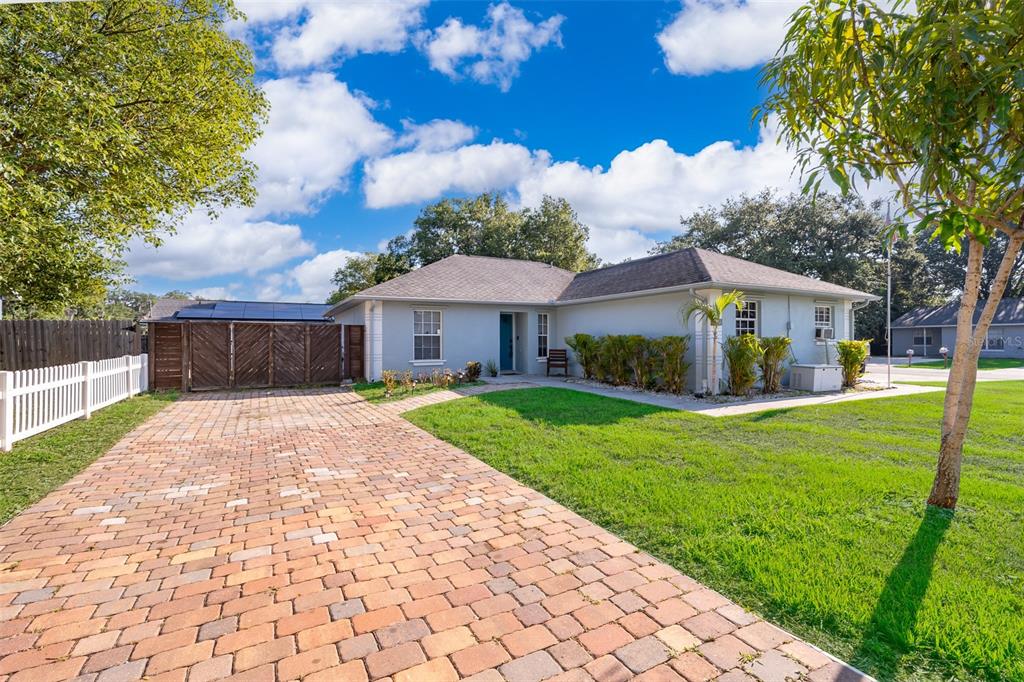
point(658, 363)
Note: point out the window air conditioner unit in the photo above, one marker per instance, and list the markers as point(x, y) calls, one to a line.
point(823, 333)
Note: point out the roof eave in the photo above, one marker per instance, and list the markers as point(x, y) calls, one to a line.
point(852, 295)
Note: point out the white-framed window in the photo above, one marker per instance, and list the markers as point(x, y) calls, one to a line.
point(542, 335)
point(922, 339)
point(823, 322)
point(747, 318)
point(426, 335)
point(995, 340)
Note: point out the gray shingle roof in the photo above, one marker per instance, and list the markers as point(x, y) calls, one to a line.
point(1009, 311)
point(477, 278)
point(501, 280)
point(694, 266)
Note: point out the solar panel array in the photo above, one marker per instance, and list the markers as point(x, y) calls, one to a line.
point(248, 310)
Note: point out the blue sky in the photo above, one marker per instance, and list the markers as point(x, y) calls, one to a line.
point(634, 111)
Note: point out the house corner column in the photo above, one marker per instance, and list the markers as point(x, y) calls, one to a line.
point(373, 351)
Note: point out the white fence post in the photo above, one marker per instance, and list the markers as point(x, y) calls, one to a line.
point(86, 388)
point(6, 411)
point(129, 379)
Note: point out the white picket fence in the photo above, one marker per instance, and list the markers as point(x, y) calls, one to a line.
point(34, 400)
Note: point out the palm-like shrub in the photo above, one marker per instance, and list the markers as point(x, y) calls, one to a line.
point(741, 356)
point(473, 370)
point(671, 364)
point(773, 351)
point(585, 347)
point(640, 358)
point(852, 354)
point(714, 312)
point(613, 358)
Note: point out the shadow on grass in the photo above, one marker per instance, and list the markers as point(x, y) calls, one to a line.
point(565, 407)
point(886, 636)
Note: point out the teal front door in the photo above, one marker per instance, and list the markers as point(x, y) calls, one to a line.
point(507, 353)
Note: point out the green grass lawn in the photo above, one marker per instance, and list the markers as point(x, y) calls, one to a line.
point(813, 517)
point(41, 463)
point(983, 363)
point(374, 391)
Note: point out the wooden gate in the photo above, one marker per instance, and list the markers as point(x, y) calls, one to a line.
point(211, 355)
point(289, 361)
point(354, 351)
point(252, 361)
point(166, 355)
point(209, 347)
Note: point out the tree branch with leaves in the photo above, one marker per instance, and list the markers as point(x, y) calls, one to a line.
point(929, 98)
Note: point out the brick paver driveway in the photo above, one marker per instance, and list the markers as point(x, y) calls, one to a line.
point(308, 535)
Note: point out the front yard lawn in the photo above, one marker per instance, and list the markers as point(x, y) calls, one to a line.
point(983, 363)
point(37, 465)
point(374, 391)
point(813, 517)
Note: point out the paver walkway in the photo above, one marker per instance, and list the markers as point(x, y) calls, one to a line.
point(309, 535)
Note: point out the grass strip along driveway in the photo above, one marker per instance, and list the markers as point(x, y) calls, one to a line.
point(37, 465)
point(813, 517)
point(375, 392)
point(983, 364)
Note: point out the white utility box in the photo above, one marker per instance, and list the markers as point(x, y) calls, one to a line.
point(816, 378)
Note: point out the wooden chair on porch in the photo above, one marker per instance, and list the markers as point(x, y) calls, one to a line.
point(558, 359)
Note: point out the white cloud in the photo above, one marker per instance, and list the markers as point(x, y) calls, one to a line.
point(416, 176)
point(346, 28)
point(641, 194)
point(217, 293)
point(318, 129)
point(724, 35)
point(490, 54)
point(231, 244)
point(313, 276)
point(435, 135)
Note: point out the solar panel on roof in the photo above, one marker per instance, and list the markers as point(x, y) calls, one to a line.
point(195, 314)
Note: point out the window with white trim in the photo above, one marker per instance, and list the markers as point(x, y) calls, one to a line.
point(426, 334)
point(923, 339)
point(823, 322)
point(542, 335)
point(747, 316)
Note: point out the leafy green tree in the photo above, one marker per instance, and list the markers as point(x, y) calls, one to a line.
point(931, 100)
point(713, 313)
point(481, 226)
point(830, 237)
point(119, 304)
point(116, 119)
point(946, 268)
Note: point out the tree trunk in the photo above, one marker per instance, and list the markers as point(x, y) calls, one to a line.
point(714, 360)
point(964, 373)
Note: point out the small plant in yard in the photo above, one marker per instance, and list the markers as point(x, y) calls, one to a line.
point(640, 358)
point(852, 355)
point(713, 313)
point(585, 348)
point(408, 383)
point(772, 351)
point(472, 370)
point(492, 368)
point(671, 361)
point(741, 356)
point(613, 352)
point(391, 381)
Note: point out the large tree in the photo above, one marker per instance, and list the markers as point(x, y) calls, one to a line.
point(930, 98)
point(481, 226)
point(116, 119)
point(830, 237)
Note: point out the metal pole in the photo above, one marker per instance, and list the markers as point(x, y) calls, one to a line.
point(888, 302)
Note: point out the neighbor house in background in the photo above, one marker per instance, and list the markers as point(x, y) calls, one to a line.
point(466, 308)
point(926, 330)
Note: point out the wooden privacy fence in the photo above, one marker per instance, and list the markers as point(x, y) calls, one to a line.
point(30, 344)
point(34, 400)
point(211, 355)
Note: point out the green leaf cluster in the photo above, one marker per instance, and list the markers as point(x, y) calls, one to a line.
point(117, 118)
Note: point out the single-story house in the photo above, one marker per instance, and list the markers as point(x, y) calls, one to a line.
point(927, 329)
point(512, 312)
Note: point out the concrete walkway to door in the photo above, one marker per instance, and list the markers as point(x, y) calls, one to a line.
point(287, 535)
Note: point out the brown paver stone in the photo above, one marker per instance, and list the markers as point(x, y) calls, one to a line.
point(266, 536)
